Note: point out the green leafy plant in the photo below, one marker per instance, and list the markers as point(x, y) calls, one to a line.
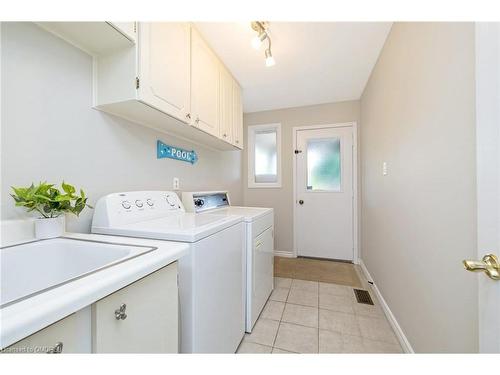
point(49, 201)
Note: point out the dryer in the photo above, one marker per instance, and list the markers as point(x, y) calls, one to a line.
point(211, 276)
point(259, 245)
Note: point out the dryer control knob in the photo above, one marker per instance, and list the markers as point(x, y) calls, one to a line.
point(170, 200)
point(126, 205)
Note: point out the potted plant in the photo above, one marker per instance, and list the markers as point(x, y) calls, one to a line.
point(51, 203)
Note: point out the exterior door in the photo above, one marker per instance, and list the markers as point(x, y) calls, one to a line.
point(324, 193)
point(164, 67)
point(488, 178)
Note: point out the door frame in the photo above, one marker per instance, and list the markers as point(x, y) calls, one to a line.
point(487, 74)
point(355, 210)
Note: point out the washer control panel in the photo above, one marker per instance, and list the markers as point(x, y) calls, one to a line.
point(204, 201)
point(129, 207)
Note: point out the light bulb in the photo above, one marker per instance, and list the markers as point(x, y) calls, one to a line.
point(256, 42)
point(270, 61)
point(269, 58)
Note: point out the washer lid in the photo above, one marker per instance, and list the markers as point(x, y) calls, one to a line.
point(249, 213)
point(184, 227)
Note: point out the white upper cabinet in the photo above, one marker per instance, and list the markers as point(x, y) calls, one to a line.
point(164, 67)
point(204, 85)
point(237, 116)
point(171, 81)
point(226, 105)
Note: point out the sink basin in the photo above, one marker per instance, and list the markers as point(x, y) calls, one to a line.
point(34, 267)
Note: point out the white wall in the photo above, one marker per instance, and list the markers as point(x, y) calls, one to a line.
point(50, 132)
point(281, 199)
point(419, 221)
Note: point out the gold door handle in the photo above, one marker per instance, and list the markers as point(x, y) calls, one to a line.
point(489, 265)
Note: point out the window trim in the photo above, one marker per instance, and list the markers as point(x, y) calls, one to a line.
point(252, 129)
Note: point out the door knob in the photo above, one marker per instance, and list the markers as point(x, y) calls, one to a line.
point(120, 313)
point(301, 202)
point(489, 265)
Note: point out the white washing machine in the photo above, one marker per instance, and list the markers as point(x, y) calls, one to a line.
point(211, 276)
point(259, 245)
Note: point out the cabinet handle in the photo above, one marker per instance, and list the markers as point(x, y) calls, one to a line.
point(197, 120)
point(237, 141)
point(120, 312)
point(224, 135)
point(188, 116)
point(57, 349)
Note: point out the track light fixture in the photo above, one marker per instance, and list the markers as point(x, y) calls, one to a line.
point(262, 30)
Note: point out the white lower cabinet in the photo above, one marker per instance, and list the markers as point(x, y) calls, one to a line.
point(69, 335)
point(140, 318)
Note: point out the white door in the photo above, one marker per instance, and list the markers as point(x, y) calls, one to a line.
point(237, 116)
point(204, 85)
point(226, 105)
point(140, 318)
point(262, 269)
point(164, 67)
point(324, 193)
point(488, 178)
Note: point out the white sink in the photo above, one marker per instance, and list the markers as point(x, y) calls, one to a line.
point(33, 267)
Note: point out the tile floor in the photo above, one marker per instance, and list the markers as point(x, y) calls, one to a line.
point(316, 270)
point(303, 316)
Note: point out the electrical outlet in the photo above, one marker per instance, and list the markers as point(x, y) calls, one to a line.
point(384, 169)
point(176, 183)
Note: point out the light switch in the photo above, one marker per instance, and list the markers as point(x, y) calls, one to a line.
point(384, 168)
point(176, 183)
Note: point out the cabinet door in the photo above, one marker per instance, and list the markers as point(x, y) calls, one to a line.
point(69, 335)
point(204, 85)
point(262, 269)
point(226, 105)
point(148, 320)
point(164, 67)
point(237, 116)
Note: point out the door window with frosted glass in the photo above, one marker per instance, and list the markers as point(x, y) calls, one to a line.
point(323, 165)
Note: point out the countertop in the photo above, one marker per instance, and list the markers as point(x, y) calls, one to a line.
point(28, 316)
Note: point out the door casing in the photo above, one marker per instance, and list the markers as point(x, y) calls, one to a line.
point(355, 224)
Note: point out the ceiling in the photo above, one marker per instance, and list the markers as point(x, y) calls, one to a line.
point(316, 62)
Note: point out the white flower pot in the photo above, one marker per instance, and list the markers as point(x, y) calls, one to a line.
point(50, 227)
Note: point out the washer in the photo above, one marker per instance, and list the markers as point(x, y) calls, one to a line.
point(211, 276)
point(259, 245)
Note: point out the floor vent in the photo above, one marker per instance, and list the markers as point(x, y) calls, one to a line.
point(362, 296)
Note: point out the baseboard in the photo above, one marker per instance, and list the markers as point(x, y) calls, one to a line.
point(285, 254)
point(403, 340)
